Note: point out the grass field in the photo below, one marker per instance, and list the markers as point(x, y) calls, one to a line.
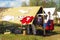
point(54, 36)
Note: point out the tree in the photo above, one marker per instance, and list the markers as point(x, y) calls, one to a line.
point(24, 4)
point(58, 9)
point(48, 4)
point(59, 6)
point(34, 2)
point(43, 3)
point(51, 4)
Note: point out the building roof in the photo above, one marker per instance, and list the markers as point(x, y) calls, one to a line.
point(21, 11)
point(58, 14)
point(51, 10)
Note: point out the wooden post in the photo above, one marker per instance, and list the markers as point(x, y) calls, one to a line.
point(24, 30)
point(43, 24)
point(33, 29)
point(28, 31)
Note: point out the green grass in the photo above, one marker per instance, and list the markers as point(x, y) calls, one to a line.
point(20, 37)
point(31, 37)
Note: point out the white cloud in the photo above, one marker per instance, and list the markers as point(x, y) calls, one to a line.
point(17, 0)
point(23, 0)
point(2, 4)
point(12, 4)
point(15, 4)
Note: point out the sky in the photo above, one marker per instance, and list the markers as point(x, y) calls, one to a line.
point(16, 3)
point(12, 3)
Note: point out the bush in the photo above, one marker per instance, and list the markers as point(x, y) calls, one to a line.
point(2, 29)
point(4, 25)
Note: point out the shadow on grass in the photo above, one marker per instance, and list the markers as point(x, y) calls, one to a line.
point(13, 26)
point(56, 24)
point(41, 33)
point(9, 26)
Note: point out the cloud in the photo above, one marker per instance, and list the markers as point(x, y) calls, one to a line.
point(12, 3)
point(23, 0)
point(7, 0)
point(17, 0)
point(15, 4)
point(3, 4)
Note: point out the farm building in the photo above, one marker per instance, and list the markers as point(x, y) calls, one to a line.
point(26, 16)
point(15, 15)
point(53, 12)
point(58, 17)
